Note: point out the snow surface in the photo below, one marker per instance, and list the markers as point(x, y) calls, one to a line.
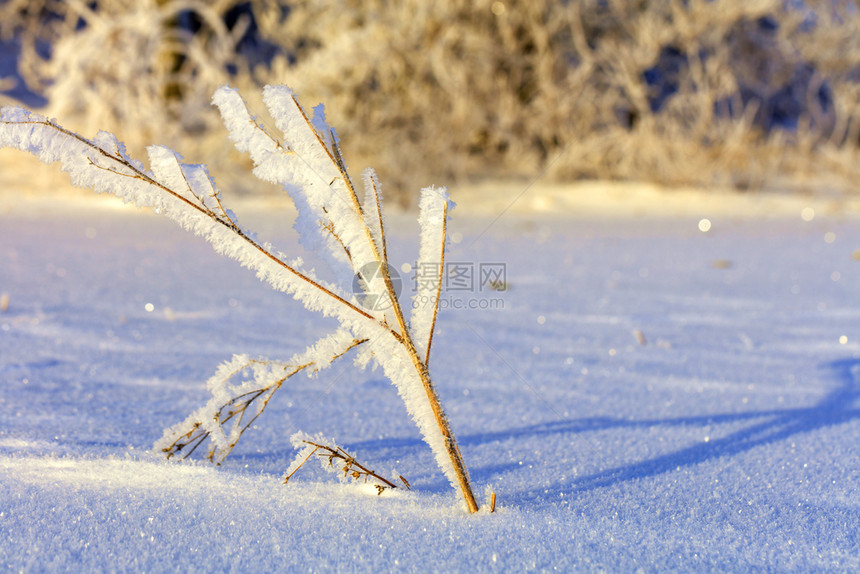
point(728, 441)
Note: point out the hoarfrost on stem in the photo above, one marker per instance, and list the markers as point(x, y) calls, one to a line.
point(333, 221)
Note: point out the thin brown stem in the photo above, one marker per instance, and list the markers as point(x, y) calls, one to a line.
point(334, 157)
point(378, 207)
point(289, 476)
point(330, 228)
point(451, 447)
point(356, 204)
point(177, 445)
point(438, 284)
point(337, 155)
point(350, 465)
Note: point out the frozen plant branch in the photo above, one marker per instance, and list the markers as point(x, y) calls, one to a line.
point(332, 221)
point(336, 459)
point(233, 408)
point(158, 190)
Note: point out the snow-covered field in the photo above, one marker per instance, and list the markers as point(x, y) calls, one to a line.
point(649, 396)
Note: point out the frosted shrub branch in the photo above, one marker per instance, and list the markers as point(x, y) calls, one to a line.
point(332, 221)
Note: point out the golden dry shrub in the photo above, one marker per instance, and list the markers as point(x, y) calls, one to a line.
point(725, 93)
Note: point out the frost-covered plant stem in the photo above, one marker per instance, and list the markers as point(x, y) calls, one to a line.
point(218, 215)
point(228, 417)
point(348, 466)
point(332, 221)
point(421, 365)
point(444, 427)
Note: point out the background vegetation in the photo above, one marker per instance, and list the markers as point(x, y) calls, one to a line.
point(746, 94)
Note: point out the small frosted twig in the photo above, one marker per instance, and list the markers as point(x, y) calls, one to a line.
point(290, 475)
point(186, 439)
point(336, 149)
point(233, 407)
point(222, 215)
point(188, 184)
point(433, 219)
point(330, 228)
point(350, 467)
point(377, 251)
point(335, 157)
point(372, 186)
point(236, 408)
point(136, 173)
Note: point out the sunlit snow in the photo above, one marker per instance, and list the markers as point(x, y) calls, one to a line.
point(632, 404)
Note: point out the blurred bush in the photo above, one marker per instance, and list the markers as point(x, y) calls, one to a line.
point(729, 93)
